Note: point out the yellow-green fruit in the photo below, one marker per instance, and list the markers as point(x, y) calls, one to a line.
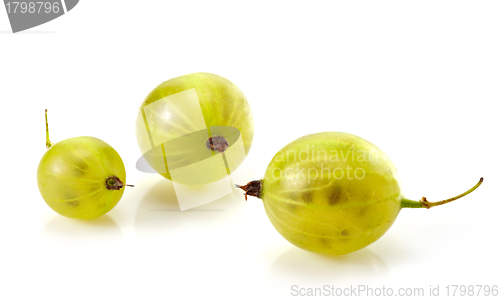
point(81, 177)
point(178, 117)
point(333, 193)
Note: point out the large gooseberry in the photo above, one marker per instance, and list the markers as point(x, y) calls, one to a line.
point(333, 193)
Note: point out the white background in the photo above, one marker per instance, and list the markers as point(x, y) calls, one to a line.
point(420, 79)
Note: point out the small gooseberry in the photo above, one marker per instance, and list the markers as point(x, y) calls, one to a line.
point(81, 177)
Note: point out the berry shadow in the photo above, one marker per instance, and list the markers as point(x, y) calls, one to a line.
point(97, 231)
point(159, 211)
point(298, 266)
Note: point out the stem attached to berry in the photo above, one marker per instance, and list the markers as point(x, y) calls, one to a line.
point(423, 203)
point(115, 184)
point(48, 143)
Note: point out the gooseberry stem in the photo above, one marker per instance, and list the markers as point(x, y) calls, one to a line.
point(423, 203)
point(48, 143)
point(115, 184)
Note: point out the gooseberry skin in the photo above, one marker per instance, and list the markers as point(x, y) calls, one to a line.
point(331, 214)
point(72, 177)
point(222, 104)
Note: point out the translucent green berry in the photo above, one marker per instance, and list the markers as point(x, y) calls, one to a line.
point(185, 123)
point(333, 193)
point(81, 177)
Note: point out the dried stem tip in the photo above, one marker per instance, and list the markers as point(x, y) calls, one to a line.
point(253, 188)
point(114, 183)
point(217, 143)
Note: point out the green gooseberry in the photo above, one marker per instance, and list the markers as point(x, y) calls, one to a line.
point(333, 193)
point(195, 129)
point(81, 177)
